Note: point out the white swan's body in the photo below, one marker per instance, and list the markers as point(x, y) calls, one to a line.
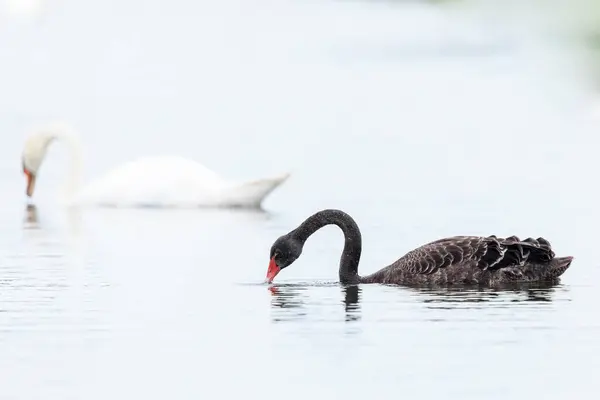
point(169, 181)
point(160, 181)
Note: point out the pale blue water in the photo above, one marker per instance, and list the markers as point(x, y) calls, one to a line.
point(419, 121)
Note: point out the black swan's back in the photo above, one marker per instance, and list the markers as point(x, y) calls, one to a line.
point(475, 260)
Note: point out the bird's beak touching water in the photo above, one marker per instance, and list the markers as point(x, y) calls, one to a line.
point(30, 181)
point(273, 270)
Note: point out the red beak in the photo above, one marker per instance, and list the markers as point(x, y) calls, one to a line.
point(30, 181)
point(273, 270)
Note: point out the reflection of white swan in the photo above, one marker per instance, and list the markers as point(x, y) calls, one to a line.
point(161, 181)
point(32, 221)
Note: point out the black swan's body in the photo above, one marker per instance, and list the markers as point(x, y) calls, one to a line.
point(458, 260)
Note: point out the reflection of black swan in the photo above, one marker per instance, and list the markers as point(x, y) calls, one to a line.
point(352, 302)
point(288, 297)
point(501, 294)
point(461, 260)
point(351, 297)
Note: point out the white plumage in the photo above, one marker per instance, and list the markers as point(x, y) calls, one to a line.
point(157, 181)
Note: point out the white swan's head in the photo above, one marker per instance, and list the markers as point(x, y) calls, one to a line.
point(34, 152)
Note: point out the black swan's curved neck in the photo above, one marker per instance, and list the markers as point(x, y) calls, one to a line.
point(352, 244)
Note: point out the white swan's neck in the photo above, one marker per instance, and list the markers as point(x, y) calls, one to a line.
point(73, 181)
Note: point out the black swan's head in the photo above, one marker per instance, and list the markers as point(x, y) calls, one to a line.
point(284, 252)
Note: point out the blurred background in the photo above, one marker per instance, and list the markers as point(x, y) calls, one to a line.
point(421, 119)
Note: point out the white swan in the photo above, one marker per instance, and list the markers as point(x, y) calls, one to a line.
point(160, 181)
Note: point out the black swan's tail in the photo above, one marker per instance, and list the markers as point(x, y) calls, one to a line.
point(557, 267)
point(529, 259)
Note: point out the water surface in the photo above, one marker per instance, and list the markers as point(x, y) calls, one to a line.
point(419, 121)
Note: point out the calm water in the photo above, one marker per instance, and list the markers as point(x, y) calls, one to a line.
point(419, 121)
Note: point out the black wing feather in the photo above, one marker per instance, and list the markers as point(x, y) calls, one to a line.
point(487, 253)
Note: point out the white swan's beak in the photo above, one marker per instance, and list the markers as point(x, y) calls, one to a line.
point(30, 182)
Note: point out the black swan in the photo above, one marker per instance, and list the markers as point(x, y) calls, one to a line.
point(458, 260)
